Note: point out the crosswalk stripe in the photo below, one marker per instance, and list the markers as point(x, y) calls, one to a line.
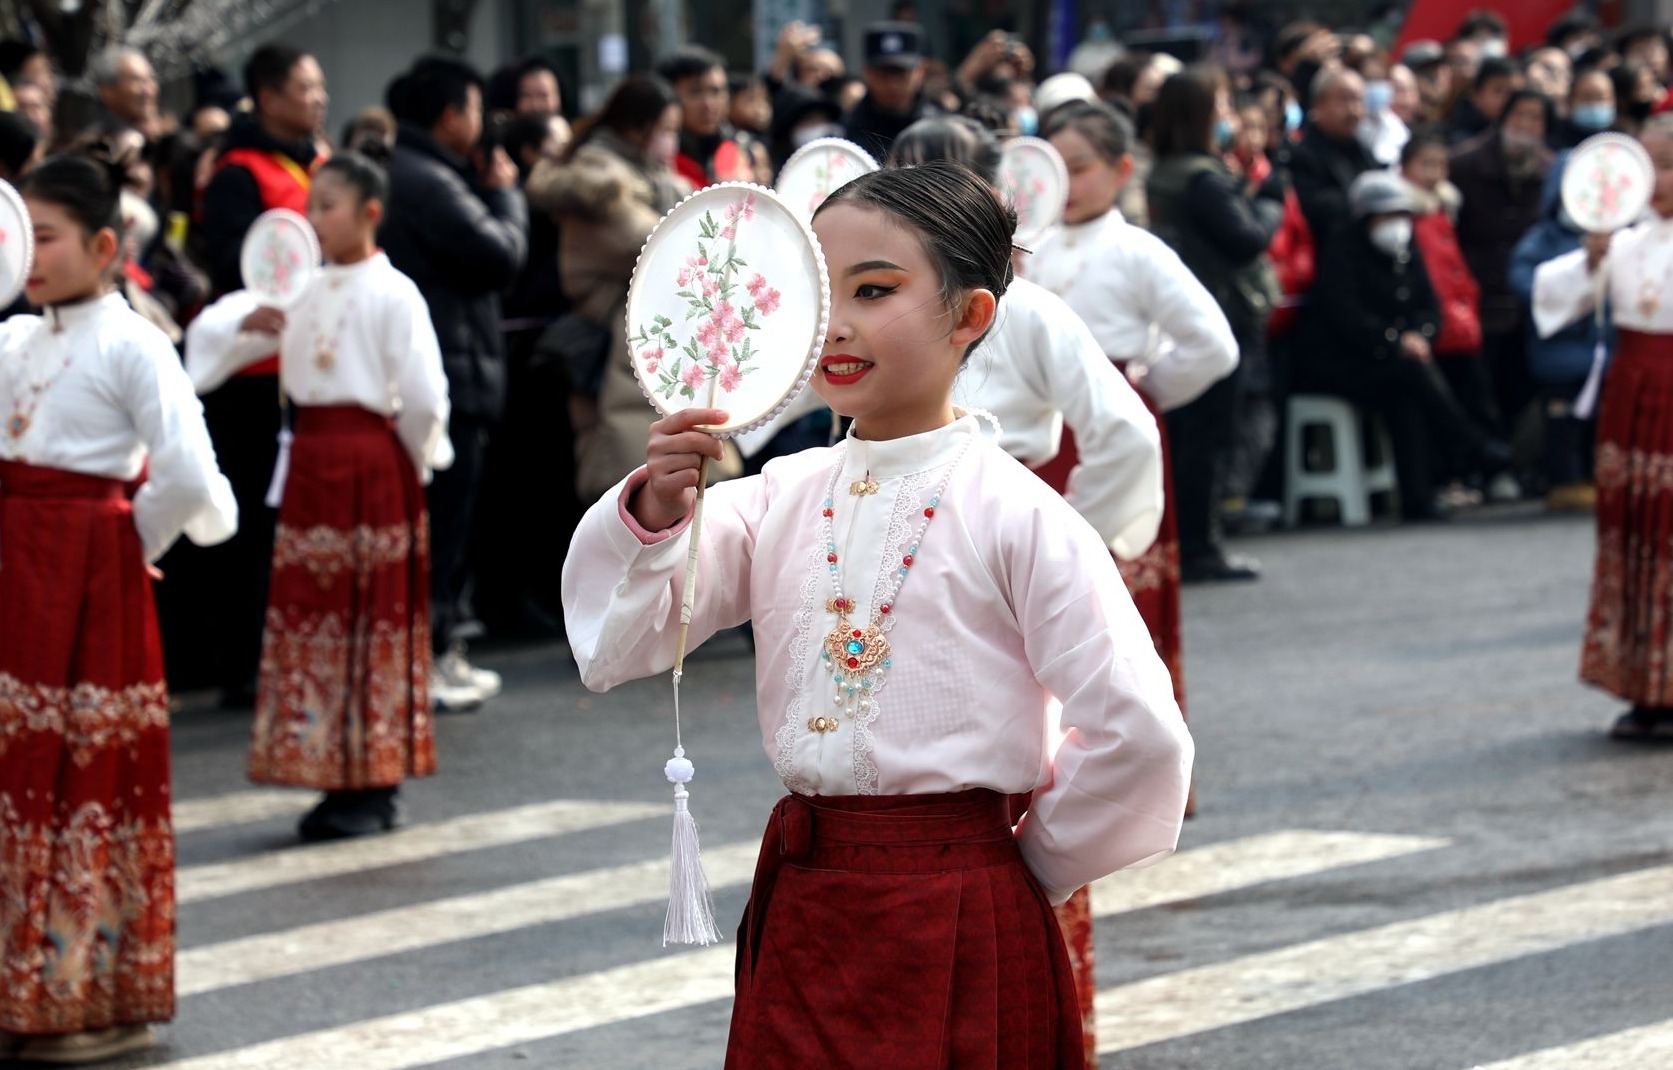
point(1191, 874)
point(238, 808)
point(669, 982)
point(1234, 864)
point(389, 932)
point(417, 843)
point(1322, 971)
point(484, 1023)
point(1646, 1046)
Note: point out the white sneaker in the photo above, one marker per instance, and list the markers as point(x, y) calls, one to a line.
point(449, 697)
point(97, 1045)
point(453, 668)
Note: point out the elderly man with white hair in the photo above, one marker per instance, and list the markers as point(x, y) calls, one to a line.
point(127, 89)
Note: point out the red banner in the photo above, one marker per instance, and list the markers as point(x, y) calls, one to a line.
point(1437, 20)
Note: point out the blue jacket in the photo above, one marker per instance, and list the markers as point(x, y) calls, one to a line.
point(1566, 356)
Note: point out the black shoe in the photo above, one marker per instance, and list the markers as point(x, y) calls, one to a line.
point(342, 815)
point(1219, 568)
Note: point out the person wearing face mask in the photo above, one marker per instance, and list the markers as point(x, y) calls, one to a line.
point(800, 116)
point(1500, 175)
point(1636, 95)
point(1382, 132)
point(1591, 109)
point(1369, 336)
point(1220, 225)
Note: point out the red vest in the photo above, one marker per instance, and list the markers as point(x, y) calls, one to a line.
point(282, 183)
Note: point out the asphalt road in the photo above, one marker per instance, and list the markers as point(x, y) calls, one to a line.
point(1414, 849)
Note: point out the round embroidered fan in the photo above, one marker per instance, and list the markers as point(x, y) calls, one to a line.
point(1608, 182)
point(1035, 181)
point(727, 309)
point(17, 244)
point(817, 169)
point(279, 258)
point(728, 305)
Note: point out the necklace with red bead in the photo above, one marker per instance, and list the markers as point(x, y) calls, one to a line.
point(857, 657)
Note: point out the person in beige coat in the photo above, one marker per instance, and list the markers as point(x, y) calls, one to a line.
point(606, 197)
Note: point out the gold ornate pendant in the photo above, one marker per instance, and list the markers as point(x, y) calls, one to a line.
point(856, 658)
point(324, 359)
point(861, 487)
point(1649, 299)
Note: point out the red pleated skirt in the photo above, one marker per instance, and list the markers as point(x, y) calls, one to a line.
point(343, 701)
point(903, 932)
point(1629, 635)
point(86, 842)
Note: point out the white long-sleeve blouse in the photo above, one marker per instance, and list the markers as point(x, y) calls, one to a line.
point(383, 353)
point(1143, 304)
point(1039, 368)
point(95, 388)
point(1018, 660)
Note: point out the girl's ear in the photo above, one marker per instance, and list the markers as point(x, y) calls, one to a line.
point(104, 245)
point(372, 212)
point(975, 317)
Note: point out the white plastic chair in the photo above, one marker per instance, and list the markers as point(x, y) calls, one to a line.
point(1348, 481)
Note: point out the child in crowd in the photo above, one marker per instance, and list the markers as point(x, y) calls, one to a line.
point(343, 700)
point(93, 397)
point(892, 893)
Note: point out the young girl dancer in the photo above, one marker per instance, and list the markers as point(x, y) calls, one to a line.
point(343, 698)
point(1039, 369)
point(1628, 636)
point(919, 600)
point(91, 396)
point(1148, 312)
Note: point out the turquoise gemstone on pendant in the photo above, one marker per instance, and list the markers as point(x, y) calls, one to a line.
point(856, 647)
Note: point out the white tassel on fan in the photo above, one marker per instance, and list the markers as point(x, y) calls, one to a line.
point(281, 470)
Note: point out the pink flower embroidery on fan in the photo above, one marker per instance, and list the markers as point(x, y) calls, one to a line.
point(766, 302)
point(653, 359)
point(693, 375)
point(731, 377)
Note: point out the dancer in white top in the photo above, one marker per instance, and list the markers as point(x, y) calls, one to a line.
point(1628, 645)
point(343, 700)
point(919, 601)
point(93, 399)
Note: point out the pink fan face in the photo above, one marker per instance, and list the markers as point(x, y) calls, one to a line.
point(1607, 183)
point(818, 169)
point(279, 257)
point(1033, 179)
point(727, 305)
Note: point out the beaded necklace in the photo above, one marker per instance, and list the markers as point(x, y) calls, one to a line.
point(857, 657)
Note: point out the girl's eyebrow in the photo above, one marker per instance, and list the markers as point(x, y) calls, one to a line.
point(873, 265)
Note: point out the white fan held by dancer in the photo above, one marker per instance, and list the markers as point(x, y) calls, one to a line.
point(727, 310)
point(1607, 184)
point(279, 260)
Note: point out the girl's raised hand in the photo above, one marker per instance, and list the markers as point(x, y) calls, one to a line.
point(672, 459)
point(265, 320)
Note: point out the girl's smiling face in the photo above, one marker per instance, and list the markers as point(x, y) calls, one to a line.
point(893, 346)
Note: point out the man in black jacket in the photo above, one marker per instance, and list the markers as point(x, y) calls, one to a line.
point(894, 75)
point(266, 162)
point(457, 225)
point(1329, 157)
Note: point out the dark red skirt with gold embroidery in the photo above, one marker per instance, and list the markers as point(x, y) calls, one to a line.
point(900, 931)
point(344, 695)
point(86, 843)
point(1629, 627)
